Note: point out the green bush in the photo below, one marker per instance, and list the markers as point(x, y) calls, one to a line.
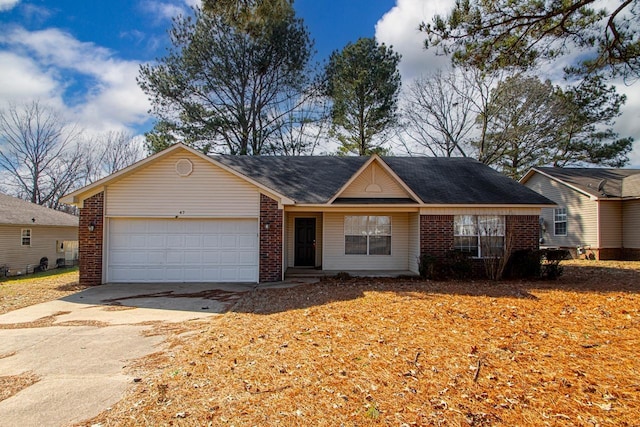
point(453, 265)
point(524, 264)
point(428, 266)
point(530, 264)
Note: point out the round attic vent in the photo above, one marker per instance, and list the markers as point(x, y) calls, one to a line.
point(184, 167)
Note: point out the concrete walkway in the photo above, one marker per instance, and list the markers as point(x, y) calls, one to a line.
point(80, 368)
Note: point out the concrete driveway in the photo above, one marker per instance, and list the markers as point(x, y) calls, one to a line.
point(77, 347)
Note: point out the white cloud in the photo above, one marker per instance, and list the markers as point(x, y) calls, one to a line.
point(8, 4)
point(399, 28)
point(24, 79)
point(45, 63)
point(169, 9)
point(628, 124)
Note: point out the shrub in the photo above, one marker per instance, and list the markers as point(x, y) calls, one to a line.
point(428, 266)
point(343, 275)
point(458, 265)
point(551, 258)
point(524, 264)
point(528, 263)
point(453, 265)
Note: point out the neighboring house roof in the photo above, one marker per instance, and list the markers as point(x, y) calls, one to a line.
point(314, 179)
point(601, 183)
point(16, 211)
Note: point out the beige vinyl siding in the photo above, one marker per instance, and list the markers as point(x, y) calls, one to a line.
point(582, 213)
point(414, 241)
point(333, 246)
point(371, 177)
point(631, 218)
point(610, 224)
point(43, 244)
point(291, 232)
point(158, 191)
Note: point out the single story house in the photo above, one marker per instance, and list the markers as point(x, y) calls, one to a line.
point(597, 213)
point(30, 232)
point(182, 216)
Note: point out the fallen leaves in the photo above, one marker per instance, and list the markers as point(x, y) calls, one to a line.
point(385, 352)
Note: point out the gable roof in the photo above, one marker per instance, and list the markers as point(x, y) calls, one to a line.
point(16, 211)
point(370, 165)
point(318, 179)
point(305, 179)
point(77, 197)
point(616, 182)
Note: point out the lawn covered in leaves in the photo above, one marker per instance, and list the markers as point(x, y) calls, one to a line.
point(22, 291)
point(403, 353)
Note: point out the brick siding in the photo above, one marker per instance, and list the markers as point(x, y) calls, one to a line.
point(436, 234)
point(630, 254)
point(525, 230)
point(271, 219)
point(90, 242)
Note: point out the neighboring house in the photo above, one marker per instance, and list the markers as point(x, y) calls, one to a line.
point(598, 210)
point(182, 216)
point(30, 232)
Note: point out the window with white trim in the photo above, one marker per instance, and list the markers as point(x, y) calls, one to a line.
point(479, 235)
point(560, 221)
point(367, 235)
point(25, 235)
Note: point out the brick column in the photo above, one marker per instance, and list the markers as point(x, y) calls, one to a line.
point(525, 230)
point(271, 219)
point(436, 234)
point(90, 242)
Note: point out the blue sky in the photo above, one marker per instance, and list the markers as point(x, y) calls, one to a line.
point(82, 56)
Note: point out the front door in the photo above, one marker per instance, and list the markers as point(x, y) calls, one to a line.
point(305, 245)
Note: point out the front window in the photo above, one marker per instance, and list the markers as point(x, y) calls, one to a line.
point(26, 237)
point(479, 235)
point(560, 221)
point(367, 235)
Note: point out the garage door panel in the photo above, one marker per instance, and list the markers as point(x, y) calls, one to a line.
point(228, 241)
point(211, 257)
point(154, 257)
point(210, 241)
point(153, 250)
point(245, 242)
point(193, 241)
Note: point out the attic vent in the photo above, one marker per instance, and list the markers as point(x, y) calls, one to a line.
point(373, 187)
point(184, 167)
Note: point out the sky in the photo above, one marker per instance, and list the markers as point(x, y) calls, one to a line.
point(82, 56)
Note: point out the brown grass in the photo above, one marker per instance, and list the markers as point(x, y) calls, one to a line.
point(384, 352)
point(10, 385)
point(22, 292)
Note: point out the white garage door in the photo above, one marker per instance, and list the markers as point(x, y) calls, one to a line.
point(180, 250)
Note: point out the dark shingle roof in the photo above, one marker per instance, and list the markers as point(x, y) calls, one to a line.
point(460, 180)
point(619, 182)
point(435, 180)
point(305, 179)
point(20, 212)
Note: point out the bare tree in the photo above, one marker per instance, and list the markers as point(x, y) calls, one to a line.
point(303, 128)
point(110, 152)
point(438, 113)
point(39, 152)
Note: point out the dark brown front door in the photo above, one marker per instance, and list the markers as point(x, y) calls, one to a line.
point(305, 245)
